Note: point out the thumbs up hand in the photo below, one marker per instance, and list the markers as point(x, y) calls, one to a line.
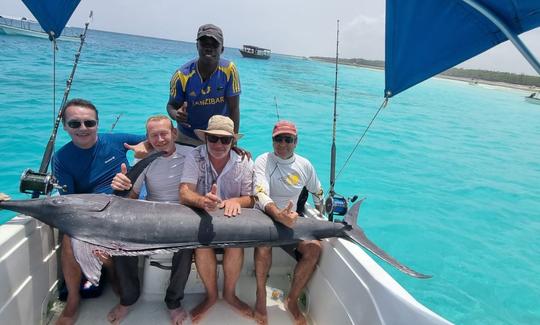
point(120, 181)
point(211, 199)
point(182, 115)
point(288, 217)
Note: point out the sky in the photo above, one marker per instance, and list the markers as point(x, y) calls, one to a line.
point(296, 27)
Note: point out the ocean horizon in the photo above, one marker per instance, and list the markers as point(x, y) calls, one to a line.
point(451, 171)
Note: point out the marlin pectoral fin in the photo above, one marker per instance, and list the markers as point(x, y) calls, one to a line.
point(357, 235)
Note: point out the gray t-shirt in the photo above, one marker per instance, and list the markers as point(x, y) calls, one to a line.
point(162, 177)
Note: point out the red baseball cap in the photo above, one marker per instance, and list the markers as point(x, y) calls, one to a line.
point(284, 127)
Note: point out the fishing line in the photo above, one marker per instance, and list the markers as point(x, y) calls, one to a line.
point(383, 105)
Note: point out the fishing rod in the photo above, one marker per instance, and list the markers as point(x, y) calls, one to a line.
point(335, 203)
point(277, 111)
point(115, 122)
point(41, 182)
point(330, 201)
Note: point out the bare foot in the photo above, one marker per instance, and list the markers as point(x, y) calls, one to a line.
point(261, 314)
point(69, 314)
point(292, 307)
point(118, 313)
point(178, 315)
point(65, 320)
point(260, 319)
point(198, 312)
point(239, 306)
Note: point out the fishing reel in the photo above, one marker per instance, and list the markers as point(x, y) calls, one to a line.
point(337, 204)
point(38, 183)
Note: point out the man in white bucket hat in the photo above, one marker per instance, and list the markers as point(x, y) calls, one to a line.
point(215, 177)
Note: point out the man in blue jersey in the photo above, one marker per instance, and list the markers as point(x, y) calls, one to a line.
point(87, 164)
point(204, 87)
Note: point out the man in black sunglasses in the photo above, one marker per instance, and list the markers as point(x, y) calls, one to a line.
point(87, 164)
point(215, 177)
point(203, 87)
point(280, 177)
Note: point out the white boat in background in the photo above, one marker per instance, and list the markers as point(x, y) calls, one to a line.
point(533, 98)
point(26, 27)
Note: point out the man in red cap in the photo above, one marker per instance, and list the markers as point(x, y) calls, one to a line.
point(203, 87)
point(280, 177)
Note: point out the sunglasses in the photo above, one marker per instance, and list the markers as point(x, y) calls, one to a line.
point(74, 124)
point(214, 139)
point(279, 138)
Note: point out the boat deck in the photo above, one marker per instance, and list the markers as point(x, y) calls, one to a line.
point(151, 309)
point(347, 287)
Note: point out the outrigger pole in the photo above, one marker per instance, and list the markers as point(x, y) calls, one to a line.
point(41, 182)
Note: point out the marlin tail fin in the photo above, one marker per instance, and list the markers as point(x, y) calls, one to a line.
point(357, 235)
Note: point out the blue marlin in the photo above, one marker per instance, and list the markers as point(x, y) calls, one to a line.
point(114, 225)
point(119, 226)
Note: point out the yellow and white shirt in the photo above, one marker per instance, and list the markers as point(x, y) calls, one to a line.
point(280, 180)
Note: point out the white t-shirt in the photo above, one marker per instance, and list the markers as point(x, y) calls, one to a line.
point(235, 180)
point(281, 180)
point(162, 177)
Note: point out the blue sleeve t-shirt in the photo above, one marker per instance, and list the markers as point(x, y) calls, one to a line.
point(204, 98)
point(92, 170)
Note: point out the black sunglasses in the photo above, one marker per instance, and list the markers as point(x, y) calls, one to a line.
point(215, 138)
point(280, 138)
point(74, 124)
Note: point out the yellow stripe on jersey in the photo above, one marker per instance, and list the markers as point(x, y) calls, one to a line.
point(183, 80)
point(172, 89)
point(236, 79)
point(231, 72)
point(226, 71)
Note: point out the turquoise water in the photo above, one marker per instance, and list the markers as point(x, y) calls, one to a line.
point(451, 171)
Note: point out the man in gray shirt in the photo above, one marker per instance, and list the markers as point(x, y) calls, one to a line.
point(161, 178)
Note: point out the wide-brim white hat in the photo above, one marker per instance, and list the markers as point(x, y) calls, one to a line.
point(218, 125)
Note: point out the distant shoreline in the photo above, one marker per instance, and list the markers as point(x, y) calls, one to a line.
point(472, 81)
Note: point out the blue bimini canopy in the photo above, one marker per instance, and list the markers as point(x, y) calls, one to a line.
point(427, 37)
point(52, 15)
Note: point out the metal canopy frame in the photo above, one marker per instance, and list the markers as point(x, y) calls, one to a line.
point(518, 43)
